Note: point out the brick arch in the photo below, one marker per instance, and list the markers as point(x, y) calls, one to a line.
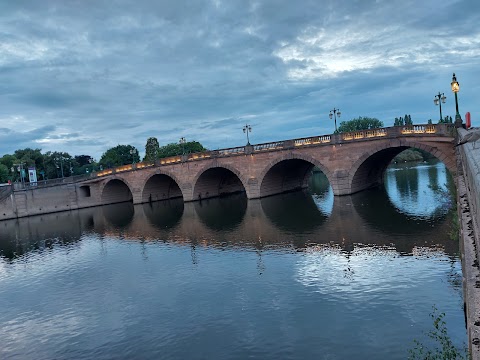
point(162, 172)
point(115, 177)
point(114, 199)
point(295, 156)
point(229, 167)
point(449, 161)
point(291, 182)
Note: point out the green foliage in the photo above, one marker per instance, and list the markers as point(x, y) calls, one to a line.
point(360, 123)
point(446, 120)
point(408, 155)
point(174, 149)
point(152, 148)
point(82, 160)
point(119, 155)
point(444, 347)
point(413, 154)
point(401, 121)
point(4, 173)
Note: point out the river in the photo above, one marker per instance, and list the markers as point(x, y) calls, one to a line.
point(301, 275)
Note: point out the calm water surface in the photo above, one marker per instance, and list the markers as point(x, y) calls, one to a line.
point(294, 276)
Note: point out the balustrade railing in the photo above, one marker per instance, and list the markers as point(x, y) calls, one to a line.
point(419, 129)
point(313, 140)
point(231, 151)
point(364, 134)
point(277, 145)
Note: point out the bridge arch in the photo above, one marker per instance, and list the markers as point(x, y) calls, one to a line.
point(288, 172)
point(368, 170)
point(160, 185)
point(117, 189)
point(218, 179)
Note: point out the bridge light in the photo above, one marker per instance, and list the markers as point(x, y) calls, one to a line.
point(439, 99)
point(333, 114)
point(247, 129)
point(456, 88)
point(455, 85)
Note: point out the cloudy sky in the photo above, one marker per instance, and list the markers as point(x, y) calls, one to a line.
point(83, 76)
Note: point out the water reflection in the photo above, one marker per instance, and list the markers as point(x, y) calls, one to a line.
point(322, 192)
point(302, 219)
point(164, 214)
point(293, 212)
point(40, 233)
point(222, 214)
point(420, 190)
point(119, 215)
point(246, 271)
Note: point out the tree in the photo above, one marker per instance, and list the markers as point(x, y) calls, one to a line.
point(360, 123)
point(152, 148)
point(31, 157)
point(4, 173)
point(446, 120)
point(82, 160)
point(175, 149)
point(407, 120)
point(54, 163)
point(119, 155)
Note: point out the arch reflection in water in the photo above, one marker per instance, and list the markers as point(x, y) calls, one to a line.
point(321, 191)
point(119, 215)
point(222, 213)
point(294, 212)
point(420, 190)
point(164, 214)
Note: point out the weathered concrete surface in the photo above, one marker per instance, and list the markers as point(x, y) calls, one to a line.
point(468, 192)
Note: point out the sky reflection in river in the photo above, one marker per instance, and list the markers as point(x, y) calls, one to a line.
point(298, 275)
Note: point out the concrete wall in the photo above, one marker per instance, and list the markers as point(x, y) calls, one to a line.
point(468, 188)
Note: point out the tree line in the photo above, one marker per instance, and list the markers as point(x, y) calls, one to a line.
point(367, 123)
point(55, 164)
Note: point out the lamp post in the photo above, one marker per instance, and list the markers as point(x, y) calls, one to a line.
point(438, 100)
point(21, 171)
point(246, 129)
point(333, 114)
point(456, 88)
point(182, 142)
point(61, 164)
point(132, 152)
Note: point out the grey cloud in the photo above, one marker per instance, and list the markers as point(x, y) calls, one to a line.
point(109, 74)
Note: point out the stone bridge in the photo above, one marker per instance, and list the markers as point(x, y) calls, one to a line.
point(352, 162)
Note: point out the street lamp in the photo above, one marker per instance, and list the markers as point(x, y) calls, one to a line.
point(438, 100)
point(21, 171)
point(334, 113)
point(246, 129)
point(61, 158)
point(456, 88)
point(182, 142)
point(132, 152)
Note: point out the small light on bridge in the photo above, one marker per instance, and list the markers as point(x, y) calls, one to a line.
point(455, 84)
